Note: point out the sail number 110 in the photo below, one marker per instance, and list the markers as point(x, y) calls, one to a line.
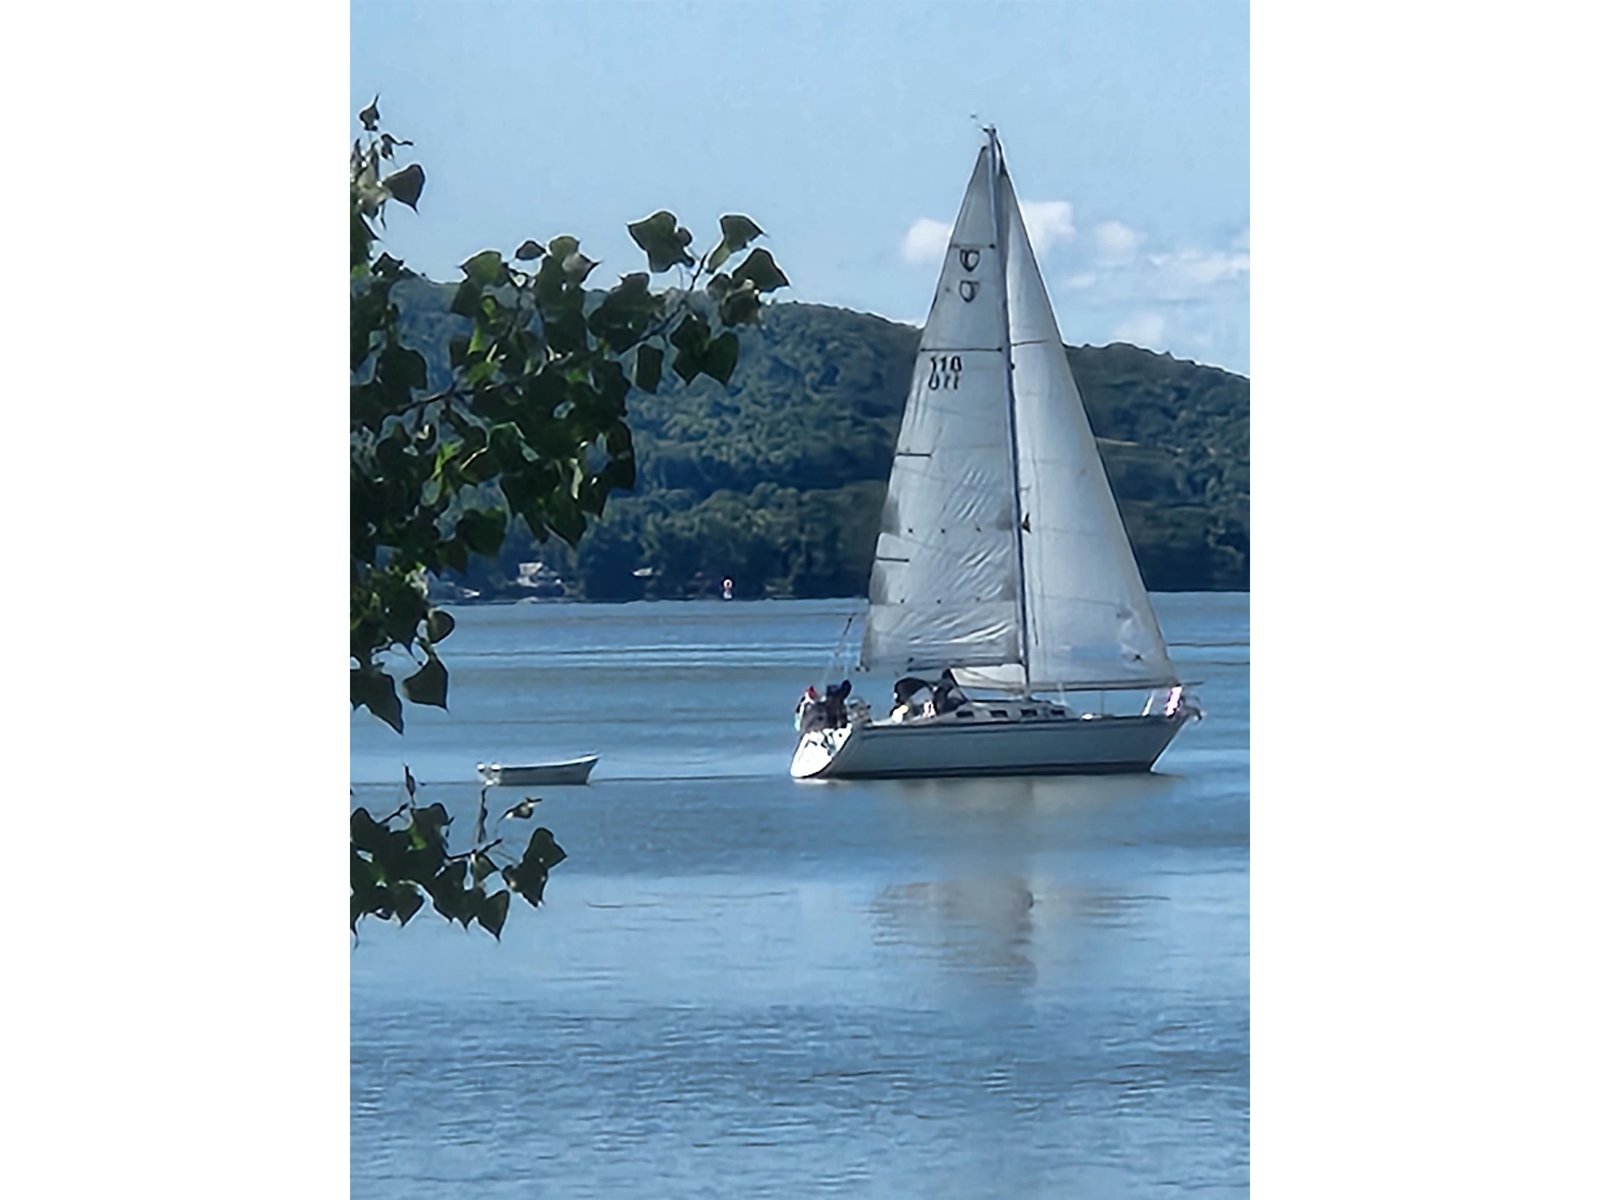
point(945, 373)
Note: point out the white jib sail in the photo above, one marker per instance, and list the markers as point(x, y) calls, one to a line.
point(945, 578)
point(1089, 620)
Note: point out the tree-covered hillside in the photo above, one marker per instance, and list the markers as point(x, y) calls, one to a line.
point(777, 480)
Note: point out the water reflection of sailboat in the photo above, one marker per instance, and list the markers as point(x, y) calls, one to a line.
point(978, 929)
point(1005, 913)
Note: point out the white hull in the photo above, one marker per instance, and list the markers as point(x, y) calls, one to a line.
point(944, 746)
point(572, 771)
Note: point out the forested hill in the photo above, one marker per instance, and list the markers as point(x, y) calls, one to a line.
point(778, 479)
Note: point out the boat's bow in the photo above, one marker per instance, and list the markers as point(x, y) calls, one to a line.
point(817, 750)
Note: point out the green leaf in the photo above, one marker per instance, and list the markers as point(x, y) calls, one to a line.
point(486, 269)
point(529, 250)
point(482, 530)
point(373, 689)
point(465, 301)
point(390, 268)
point(658, 236)
point(368, 116)
point(403, 370)
point(626, 312)
point(429, 823)
point(721, 357)
point(564, 517)
point(365, 833)
point(738, 232)
point(361, 237)
point(740, 305)
point(440, 624)
point(429, 685)
point(480, 467)
point(577, 266)
point(690, 337)
point(760, 270)
point(482, 867)
point(530, 875)
point(567, 332)
point(542, 846)
point(647, 368)
point(405, 185)
point(448, 889)
point(562, 248)
point(492, 912)
point(407, 900)
point(505, 443)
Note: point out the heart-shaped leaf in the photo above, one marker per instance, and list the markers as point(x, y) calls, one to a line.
point(658, 236)
point(428, 686)
point(760, 270)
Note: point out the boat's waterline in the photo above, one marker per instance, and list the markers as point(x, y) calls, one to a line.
point(1086, 745)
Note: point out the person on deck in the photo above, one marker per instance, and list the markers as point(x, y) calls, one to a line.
point(947, 693)
point(906, 690)
point(808, 713)
point(833, 705)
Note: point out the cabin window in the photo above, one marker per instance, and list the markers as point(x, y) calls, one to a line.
point(1030, 712)
point(964, 715)
point(998, 712)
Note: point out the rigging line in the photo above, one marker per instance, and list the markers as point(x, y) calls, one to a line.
point(838, 647)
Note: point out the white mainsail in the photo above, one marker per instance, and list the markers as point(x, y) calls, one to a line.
point(945, 575)
point(954, 584)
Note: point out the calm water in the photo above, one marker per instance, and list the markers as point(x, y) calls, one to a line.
point(741, 985)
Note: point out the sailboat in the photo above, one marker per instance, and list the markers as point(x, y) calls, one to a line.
point(1002, 563)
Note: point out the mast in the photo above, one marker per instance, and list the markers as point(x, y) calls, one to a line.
point(1011, 401)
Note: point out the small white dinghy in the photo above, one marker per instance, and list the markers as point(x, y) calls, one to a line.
point(573, 770)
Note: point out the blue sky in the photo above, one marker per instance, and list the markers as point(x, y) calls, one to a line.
point(846, 131)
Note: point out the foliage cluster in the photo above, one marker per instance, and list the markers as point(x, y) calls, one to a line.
point(517, 421)
point(519, 418)
point(398, 860)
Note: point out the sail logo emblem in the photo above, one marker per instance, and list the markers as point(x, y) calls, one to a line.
point(969, 289)
point(969, 259)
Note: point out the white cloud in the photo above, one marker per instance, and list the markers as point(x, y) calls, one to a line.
point(1202, 267)
point(1142, 329)
point(1080, 281)
point(1116, 240)
point(926, 240)
point(1049, 222)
